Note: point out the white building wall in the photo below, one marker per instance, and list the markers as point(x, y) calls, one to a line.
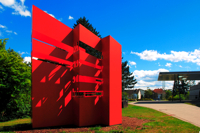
point(139, 95)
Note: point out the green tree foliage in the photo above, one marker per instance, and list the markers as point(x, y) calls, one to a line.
point(83, 21)
point(168, 93)
point(15, 85)
point(128, 80)
point(148, 93)
point(124, 95)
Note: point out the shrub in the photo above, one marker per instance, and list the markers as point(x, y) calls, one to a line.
point(124, 96)
point(177, 97)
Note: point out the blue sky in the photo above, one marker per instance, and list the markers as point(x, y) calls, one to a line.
point(155, 35)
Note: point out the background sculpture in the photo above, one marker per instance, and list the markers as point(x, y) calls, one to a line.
point(69, 86)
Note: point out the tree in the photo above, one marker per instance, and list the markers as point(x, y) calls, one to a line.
point(168, 93)
point(148, 93)
point(89, 26)
point(15, 84)
point(181, 87)
point(128, 80)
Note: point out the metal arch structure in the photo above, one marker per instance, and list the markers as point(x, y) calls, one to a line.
point(70, 86)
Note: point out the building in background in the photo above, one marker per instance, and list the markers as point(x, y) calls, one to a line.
point(158, 94)
point(194, 92)
point(135, 94)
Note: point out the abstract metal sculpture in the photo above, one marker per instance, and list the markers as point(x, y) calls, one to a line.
point(70, 86)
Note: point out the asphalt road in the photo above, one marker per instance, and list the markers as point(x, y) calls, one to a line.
point(182, 111)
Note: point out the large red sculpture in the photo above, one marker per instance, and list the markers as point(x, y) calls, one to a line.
point(69, 86)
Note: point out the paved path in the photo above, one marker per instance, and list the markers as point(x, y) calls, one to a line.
point(185, 112)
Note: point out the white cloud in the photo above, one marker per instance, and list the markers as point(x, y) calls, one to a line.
point(22, 1)
point(144, 73)
point(20, 8)
point(1, 7)
point(180, 66)
point(21, 53)
point(27, 59)
point(2, 26)
point(128, 66)
point(159, 64)
point(174, 56)
point(168, 64)
point(132, 63)
point(15, 33)
point(7, 2)
point(50, 14)
point(148, 78)
point(70, 17)
point(9, 31)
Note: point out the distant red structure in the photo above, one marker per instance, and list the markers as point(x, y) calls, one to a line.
point(159, 91)
point(70, 86)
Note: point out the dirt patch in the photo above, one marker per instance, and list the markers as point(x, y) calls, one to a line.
point(127, 122)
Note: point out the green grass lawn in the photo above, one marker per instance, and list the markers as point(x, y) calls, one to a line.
point(22, 124)
point(158, 122)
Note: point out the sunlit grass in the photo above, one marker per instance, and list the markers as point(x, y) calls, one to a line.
point(16, 122)
point(158, 122)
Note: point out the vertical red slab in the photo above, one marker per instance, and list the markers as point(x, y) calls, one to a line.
point(87, 109)
point(115, 92)
point(51, 84)
point(105, 75)
point(111, 50)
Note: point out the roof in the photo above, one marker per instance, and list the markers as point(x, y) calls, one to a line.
point(130, 92)
point(159, 91)
point(167, 76)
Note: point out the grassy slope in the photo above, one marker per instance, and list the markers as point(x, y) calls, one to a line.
point(159, 122)
point(16, 124)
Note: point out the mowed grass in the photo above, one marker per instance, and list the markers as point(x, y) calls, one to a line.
point(24, 123)
point(158, 122)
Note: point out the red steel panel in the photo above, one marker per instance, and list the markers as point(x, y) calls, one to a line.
point(115, 91)
point(112, 86)
point(45, 24)
point(51, 58)
point(106, 76)
point(88, 37)
point(53, 42)
point(50, 50)
point(51, 100)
